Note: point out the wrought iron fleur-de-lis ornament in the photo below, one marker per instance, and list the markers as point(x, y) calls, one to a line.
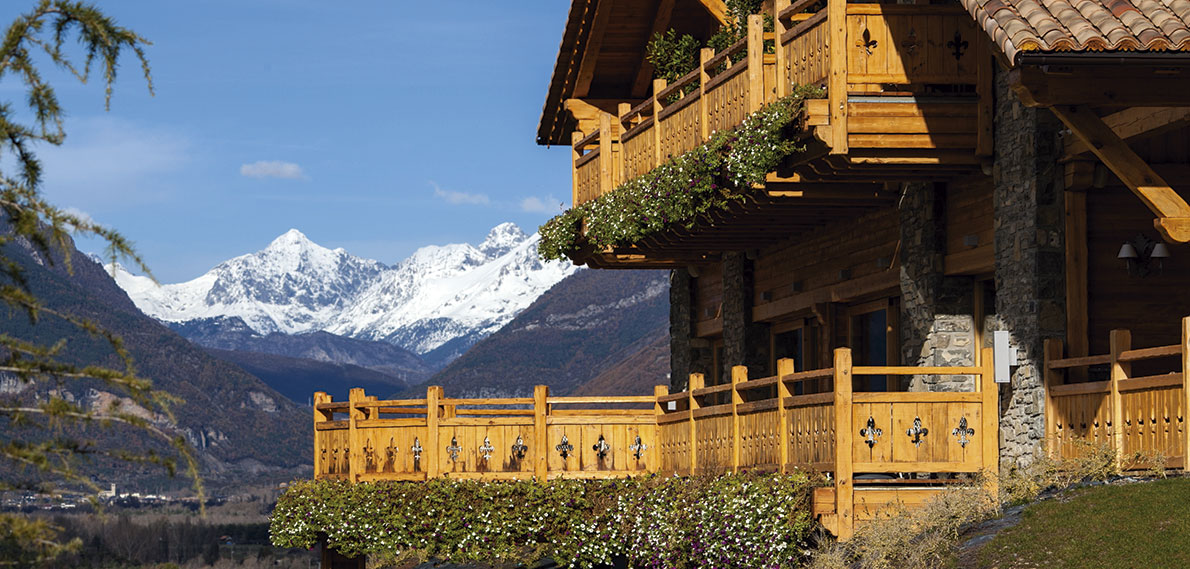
point(600, 447)
point(487, 449)
point(369, 453)
point(390, 453)
point(910, 42)
point(454, 449)
point(871, 433)
point(867, 42)
point(638, 448)
point(958, 44)
point(564, 448)
point(416, 449)
point(519, 448)
point(917, 432)
point(963, 432)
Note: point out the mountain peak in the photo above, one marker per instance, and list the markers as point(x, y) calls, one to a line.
point(289, 239)
point(501, 239)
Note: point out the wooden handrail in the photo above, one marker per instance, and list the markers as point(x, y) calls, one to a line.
point(1150, 353)
point(676, 85)
point(803, 27)
point(794, 8)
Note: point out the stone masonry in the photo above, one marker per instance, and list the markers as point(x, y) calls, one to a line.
point(937, 326)
point(1030, 289)
point(744, 342)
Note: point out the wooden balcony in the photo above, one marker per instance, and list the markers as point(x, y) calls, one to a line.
point(807, 420)
point(908, 97)
point(1139, 415)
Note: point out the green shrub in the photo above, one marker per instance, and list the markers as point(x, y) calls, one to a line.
point(746, 520)
point(710, 177)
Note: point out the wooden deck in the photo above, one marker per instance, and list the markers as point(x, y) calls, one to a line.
point(905, 446)
point(908, 94)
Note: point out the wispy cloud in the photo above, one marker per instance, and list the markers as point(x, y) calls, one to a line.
point(273, 169)
point(460, 198)
point(107, 158)
point(549, 204)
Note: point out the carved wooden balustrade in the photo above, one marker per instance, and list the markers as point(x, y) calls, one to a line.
point(907, 85)
point(1140, 416)
point(805, 420)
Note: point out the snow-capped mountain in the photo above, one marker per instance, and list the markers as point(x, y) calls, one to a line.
point(442, 297)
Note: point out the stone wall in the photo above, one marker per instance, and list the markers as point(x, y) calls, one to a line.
point(1030, 261)
point(744, 342)
point(687, 354)
point(937, 326)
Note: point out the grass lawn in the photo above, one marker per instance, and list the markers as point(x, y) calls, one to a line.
point(1132, 526)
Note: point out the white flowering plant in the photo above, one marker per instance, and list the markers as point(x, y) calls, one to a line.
point(653, 522)
point(709, 177)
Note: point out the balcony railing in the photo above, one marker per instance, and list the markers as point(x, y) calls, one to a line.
point(876, 61)
point(1141, 417)
point(805, 420)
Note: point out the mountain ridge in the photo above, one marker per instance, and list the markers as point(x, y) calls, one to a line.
point(439, 301)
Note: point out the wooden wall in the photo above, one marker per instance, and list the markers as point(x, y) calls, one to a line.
point(1151, 306)
point(708, 301)
point(969, 212)
point(843, 263)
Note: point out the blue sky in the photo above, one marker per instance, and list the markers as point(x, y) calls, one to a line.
point(377, 126)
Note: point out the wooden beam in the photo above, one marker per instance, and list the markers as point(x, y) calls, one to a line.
point(1076, 273)
point(1133, 122)
point(717, 9)
point(1130, 86)
point(1172, 211)
point(836, 19)
point(585, 113)
point(586, 69)
point(644, 73)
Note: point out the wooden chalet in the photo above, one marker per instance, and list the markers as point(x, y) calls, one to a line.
point(974, 166)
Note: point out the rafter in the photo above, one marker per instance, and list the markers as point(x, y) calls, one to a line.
point(1173, 213)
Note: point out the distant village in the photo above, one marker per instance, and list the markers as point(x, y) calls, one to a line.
point(68, 501)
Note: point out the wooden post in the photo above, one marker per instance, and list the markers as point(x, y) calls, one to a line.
point(1186, 394)
point(541, 443)
point(355, 445)
point(985, 90)
point(659, 391)
point(575, 197)
point(990, 412)
point(784, 368)
point(739, 374)
point(779, 29)
point(320, 416)
point(844, 489)
point(1120, 341)
point(697, 381)
point(704, 115)
point(836, 18)
point(658, 86)
point(1053, 351)
point(755, 62)
point(430, 450)
point(606, 168)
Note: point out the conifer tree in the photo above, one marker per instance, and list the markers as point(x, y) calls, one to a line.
point(79, 38)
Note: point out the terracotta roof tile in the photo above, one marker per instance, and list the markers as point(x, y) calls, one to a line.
point(1083, 25)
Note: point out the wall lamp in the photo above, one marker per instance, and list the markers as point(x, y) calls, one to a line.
point(1141, 254)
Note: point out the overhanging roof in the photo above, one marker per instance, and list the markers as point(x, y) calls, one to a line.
point(1048, 26)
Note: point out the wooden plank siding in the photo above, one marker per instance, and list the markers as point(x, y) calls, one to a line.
point(839, 263)
point(969, 216)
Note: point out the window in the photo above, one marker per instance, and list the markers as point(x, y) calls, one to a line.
point(872, 334)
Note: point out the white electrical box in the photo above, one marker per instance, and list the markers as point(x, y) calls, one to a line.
point(1002, 356)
